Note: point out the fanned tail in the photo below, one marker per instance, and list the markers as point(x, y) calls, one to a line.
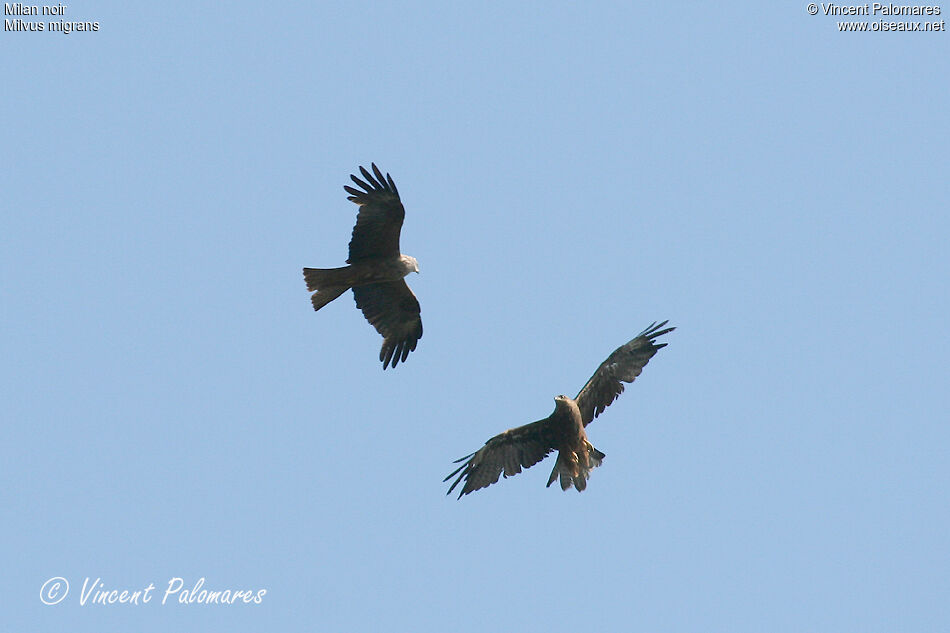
point(571, 471)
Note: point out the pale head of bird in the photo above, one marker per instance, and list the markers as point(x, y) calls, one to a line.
point(411, 264)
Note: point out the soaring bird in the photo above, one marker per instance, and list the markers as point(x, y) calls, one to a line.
point(563, 430)
point(376, 269)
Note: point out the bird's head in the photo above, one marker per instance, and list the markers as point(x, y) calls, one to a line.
point(411, 263)
point(560, 401)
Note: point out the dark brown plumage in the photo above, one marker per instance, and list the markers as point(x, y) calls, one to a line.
point(522, 447)
point(376, 268)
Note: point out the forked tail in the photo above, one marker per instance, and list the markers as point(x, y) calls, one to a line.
point(329, 284)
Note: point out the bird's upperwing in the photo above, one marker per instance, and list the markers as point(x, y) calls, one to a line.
point(379, 221)
point(394, 311)
point(506, 453)
point(623, 365)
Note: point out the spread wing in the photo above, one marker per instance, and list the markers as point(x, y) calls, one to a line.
point(506, 453)
point(394, 311)
point(379, 221)
point(623, 365)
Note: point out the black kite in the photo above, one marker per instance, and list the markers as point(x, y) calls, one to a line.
point(563, 430)
point(376, 269)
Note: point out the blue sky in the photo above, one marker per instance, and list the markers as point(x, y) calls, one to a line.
point(173, 407)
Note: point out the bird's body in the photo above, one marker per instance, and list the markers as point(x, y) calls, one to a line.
point(364, 272)
point(564, 430)
point(376, 269)
point(576, 456)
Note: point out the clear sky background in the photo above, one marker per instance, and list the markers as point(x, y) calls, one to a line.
point(173, 407)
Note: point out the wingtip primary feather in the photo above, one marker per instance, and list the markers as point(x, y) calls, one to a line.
point(379, 177)
point(369, 177)
point(386, 354)
point(654, 330)
point(462, 459)
point(361, 184)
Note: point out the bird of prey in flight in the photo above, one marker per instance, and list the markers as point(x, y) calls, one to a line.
point(376, 269)
point(563, 430)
